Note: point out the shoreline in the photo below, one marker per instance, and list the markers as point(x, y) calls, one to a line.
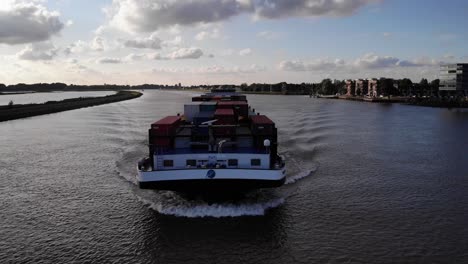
point(13, 112)
point(423, 102)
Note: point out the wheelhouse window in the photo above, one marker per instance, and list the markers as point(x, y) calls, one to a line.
point(168, 163)
point(233, 162)
point(255, 162)
point(191, 162)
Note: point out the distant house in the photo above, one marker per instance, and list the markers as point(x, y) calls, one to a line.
point(373, 88)
point(361, 87)
point(454, 78)
point(350, 87)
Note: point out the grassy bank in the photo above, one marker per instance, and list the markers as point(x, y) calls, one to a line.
point(11, 112)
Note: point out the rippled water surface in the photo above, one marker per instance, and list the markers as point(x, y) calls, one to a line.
point(38, 98)
point(366, 183)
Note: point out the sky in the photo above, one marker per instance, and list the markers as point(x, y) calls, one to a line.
point(228, 41)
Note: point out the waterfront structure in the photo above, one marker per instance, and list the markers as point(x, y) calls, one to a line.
point(454, 78)
point(373, 88)
point(361, 87)
point(350, 87)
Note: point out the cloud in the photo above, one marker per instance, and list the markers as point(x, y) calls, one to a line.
point(216, 69)
point(367, 61)
point(135, 57)
point(97, 44)
point(245, 52)
point(185, 53)
point(319, 65)
point(150, 15)
point(274, 9)
point(213, 70)
point(214, 34)
point(152, 42)
point(42, 51)
point(22, 22)
point(371, 60)
point(109, 61)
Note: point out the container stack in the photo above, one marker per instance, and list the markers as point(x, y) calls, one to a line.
point(162, 132)
point(241, 108)
point(262, 128)
point(225, 117)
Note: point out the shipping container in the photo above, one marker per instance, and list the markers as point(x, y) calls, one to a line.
point(225, 116)
point(191, 110)
point(262, 125)
point(208, 106)
point(182, 143)
point(245, 142)
point(161, 141)
point(241, 108)
point(166, 126)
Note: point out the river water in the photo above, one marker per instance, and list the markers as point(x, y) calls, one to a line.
point(367, 183)
point(39, 98)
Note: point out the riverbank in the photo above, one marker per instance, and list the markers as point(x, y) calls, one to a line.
point(392, 99)
point(427, 102)
point(11, 112)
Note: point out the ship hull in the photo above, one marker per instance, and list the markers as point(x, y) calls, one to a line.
point(211, 180)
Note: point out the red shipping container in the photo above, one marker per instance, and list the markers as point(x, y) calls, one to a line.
point(262, 125)
point(166, 126)
point(161, 141)
point(241, 108)
point(225, 116)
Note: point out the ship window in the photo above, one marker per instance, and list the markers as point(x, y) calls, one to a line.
point(232, 162)
point(191, 162)
point(255, 162)
point(168, 163)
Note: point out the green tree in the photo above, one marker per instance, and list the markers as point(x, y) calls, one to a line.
point(327, 87)
point(404, 86)
point(435, 87)
point(424, 88)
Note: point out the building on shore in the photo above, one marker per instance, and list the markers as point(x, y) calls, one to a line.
point(454, 78)
point(361, 87)
point(373, 88)
point(350, 87)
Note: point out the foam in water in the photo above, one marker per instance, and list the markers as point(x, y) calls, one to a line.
point(170, 203)
point(298, 176)
point(202, 209)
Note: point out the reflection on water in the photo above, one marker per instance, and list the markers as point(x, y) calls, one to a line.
point(366, 183)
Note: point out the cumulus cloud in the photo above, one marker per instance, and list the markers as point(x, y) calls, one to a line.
point(96, 44)
point(42, 51)
point(152, 42)
point(185, 53)
point(22, 22)
point(371, 60)
point(149, 15)
point(245, 52)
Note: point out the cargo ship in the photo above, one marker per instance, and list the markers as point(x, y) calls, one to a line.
point(220, 144)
